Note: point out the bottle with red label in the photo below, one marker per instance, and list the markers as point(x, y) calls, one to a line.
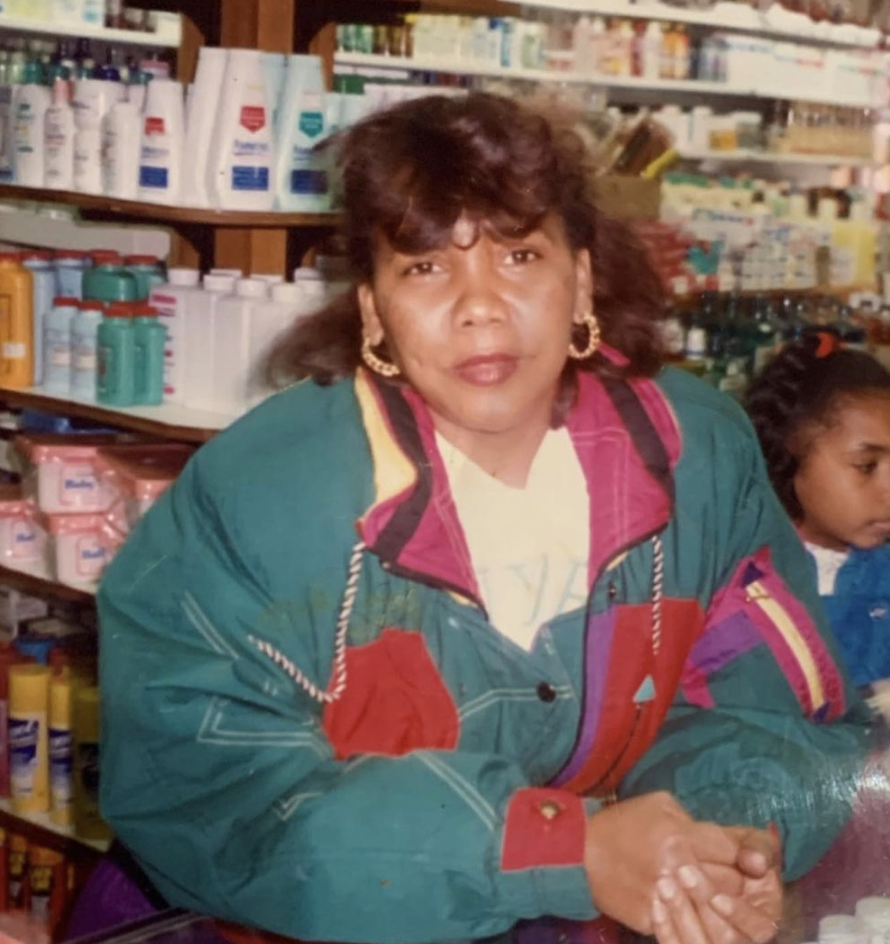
point(160, 159)
point(241, 155)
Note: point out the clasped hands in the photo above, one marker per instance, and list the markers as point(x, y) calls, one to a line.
point(656, 870)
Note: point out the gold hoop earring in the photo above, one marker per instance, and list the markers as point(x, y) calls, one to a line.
point(377, 364)
point(593, 338)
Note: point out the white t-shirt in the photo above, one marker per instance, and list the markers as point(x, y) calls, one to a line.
point(529, 546)
point(828, 563)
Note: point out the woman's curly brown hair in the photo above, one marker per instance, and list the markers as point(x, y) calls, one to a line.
point(409, 173)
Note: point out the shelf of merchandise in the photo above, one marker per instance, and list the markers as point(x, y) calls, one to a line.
point(40, 829)
point(158, 212)
point(733, 17)
point(167, 36)
point(169, 421)
point(746, 156)
point(625, 83)
point(38, 586)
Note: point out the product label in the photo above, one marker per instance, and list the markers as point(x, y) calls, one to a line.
point(61, 762)
point(157, 177)
point(58, 352)
point(154, 125)
point(14, 350)
point(90, 556)
point(24, 540)
point(308, 182)
point(250, 178)
point(253, 118)
point(311, 123)
point(85, 358)
point(77, 485)
point(24, 735)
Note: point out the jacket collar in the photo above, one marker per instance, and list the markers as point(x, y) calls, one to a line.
point(626, 439)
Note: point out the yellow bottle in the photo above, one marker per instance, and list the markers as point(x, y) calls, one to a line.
point(16, 323)
point(88, 824)
point(61, 752)
point(28, 740)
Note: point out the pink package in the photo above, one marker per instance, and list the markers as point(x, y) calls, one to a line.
point(66, 473)
point(84, 546)
point(22, 539)
point(140, 474)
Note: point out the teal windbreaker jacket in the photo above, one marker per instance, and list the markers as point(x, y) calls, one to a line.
point(310, 726)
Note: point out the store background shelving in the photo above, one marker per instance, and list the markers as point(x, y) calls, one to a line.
point(39, 828)
point(39, 586)
point(743, 156)
point(168, 34)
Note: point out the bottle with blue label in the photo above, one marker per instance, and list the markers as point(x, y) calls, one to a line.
point(84, 348)
point(150, 338)
point(163, 133)
point(241, 156)
point(116, 371)
point(28, 737)
point(44, 280)
point(302, 176)
point(57, 347)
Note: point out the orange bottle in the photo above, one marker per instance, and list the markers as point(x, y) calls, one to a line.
point(16, 323)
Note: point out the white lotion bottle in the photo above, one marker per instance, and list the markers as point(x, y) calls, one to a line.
point(58, 138)
point(162, 140)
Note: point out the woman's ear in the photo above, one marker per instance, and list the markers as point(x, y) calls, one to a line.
point(583, 285)
point(371, 325)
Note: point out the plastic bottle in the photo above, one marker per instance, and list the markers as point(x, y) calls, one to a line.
point(242, 159)
point(28, 737)
point(116, 371)
point(163, 138)
point(70, 265)
point(93, 98)
point(84, 345)
point(43, 278)
point(7, 142)
point(9, 656)
point(201, 329)
point(70, 12)
point(61, 752)
point(57, 344)
point(88, 823)
point(16, 323)
point(150, 340)
point(30, 102)
point(301, 175)
point(652, 51)
point(275, 69)
point(109, 281)
point(231, 360)
point(270, 320)
point(172, 302)
point(121, 145)
point(201, 111)
point(58, 138)
point(148, 272)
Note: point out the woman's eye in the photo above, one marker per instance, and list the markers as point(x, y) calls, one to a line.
point(866, 468)
point(421, 268)
point(523, 256)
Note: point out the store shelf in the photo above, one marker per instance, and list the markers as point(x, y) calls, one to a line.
point(660, 87)
point(158, 212)
point(40, 829)
point(743, 156)
point(730, 17)
point(170, 421)
point(168, 34)
point(37, 586)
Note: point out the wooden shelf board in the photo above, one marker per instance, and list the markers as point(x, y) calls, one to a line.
point(38, 586)
point(168, 38)
point(136, 209)
point(170, 421)
point(743, 156)
point(40, 829)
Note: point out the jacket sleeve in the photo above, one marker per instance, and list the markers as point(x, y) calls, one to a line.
point(217, 774)
point(766, 728)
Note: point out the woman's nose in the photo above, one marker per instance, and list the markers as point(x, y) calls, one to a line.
point(480, 303)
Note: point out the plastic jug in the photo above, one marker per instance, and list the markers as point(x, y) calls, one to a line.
point(116, 344)
point(16, 323)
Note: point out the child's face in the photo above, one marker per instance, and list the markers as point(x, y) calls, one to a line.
point(843, 484)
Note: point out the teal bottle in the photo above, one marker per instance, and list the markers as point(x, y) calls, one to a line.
point(108, 281)
point(116, 374)
point(148, 272)
point(151, 336)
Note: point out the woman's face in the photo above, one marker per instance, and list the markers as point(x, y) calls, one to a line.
point(481, 327)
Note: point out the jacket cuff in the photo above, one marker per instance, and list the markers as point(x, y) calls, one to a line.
point(542, 854)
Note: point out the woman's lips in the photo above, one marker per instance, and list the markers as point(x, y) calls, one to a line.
point(487, 370)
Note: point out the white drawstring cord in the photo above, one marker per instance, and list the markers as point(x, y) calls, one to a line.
point(338, 685)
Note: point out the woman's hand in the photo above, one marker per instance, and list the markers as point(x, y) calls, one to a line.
point(737, 903)
point(636, 844)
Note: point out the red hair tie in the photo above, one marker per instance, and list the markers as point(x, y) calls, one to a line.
point(828, 343)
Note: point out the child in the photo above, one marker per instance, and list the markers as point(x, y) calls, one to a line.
point(823, 417)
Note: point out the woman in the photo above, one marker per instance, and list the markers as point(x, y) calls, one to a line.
point(378, 666)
